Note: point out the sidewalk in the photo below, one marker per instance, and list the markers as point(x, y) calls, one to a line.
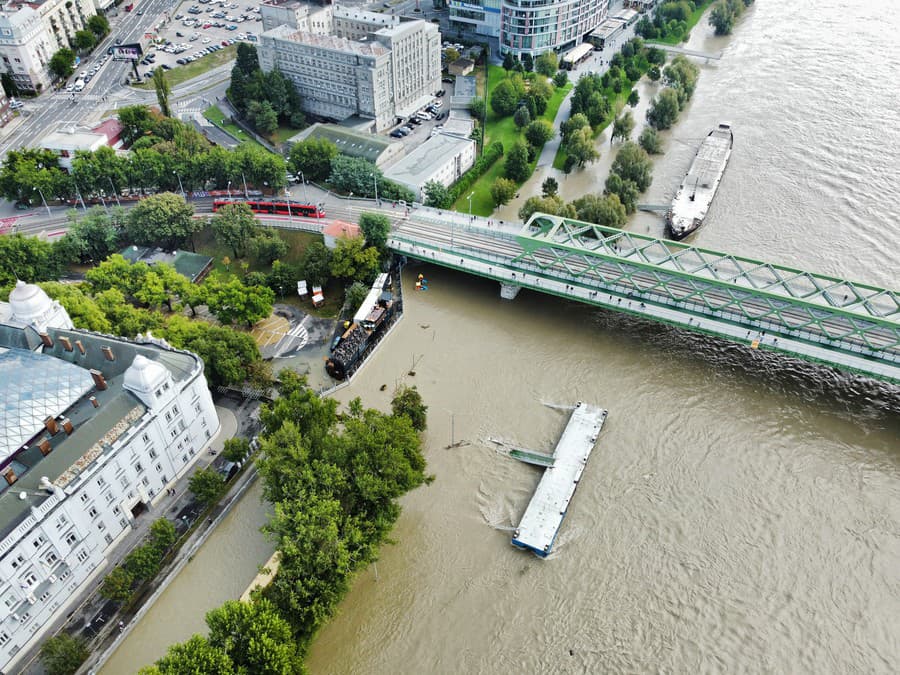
point(94, 617)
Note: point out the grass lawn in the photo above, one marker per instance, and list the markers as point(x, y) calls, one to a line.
point(206, 244)
point(282, 134)
point(502, 129)
point(206, 63)
point(691, 22)
point(217, 117)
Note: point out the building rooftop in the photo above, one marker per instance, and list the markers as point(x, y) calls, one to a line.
point(94, 429)
point(362, 15)
point(191, 265)
point(73, 139)
point(348, 142)
point(419, 165)
point(329, 42)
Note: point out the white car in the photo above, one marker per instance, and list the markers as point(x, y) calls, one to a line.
point(70, 86)
point(206, 41)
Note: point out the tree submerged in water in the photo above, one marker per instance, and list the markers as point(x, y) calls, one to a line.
point(724, 15)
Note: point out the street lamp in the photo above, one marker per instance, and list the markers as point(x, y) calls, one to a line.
point(246, 195)
point(229, 189)
point(350, 205)
point(78, 192)
point(115, 192)
point(180, 186)
point(41, 193)
point(287, 194)
point(305, 191)
point(470, 205)
point(375, 179)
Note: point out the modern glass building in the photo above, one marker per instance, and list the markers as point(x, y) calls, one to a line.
point(530, 26)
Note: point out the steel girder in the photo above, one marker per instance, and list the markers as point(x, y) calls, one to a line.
point(708, 282)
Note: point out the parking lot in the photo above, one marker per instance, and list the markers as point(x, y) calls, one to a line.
point(198, 28)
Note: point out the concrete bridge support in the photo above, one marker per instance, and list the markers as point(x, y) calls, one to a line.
point(509, 291)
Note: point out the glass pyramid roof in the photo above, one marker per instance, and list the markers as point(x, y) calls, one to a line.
point(32, 387)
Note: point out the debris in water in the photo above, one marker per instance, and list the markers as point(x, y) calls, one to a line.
point(382, 387)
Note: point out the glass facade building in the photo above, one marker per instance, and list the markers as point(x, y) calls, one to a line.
point(537, 26)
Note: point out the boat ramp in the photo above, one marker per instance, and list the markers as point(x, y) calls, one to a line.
point(539, 526)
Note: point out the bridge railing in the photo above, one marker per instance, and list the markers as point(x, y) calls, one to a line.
point(690, 306)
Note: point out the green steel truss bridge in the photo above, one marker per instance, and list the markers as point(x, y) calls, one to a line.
point(844, 324)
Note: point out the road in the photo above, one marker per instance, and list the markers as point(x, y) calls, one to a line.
point(106, 90)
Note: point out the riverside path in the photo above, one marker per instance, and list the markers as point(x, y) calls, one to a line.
point(844, 324)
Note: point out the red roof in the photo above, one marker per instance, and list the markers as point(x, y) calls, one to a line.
point(112, 129)
point(338, 228)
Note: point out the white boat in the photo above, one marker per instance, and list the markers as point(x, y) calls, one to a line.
point(699, 186)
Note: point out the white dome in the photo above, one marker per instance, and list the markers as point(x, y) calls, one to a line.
point(144, 376)
point(28, 303)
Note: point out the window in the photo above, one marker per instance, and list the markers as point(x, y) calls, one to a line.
point(145, 481)
point(173, 433)
point(83, 497)
point(26, 616)
point(4, 638)
point(145, 438)
point(108, 538)
point(109, 497)
point(152, 453)
point(101, 526)
point(50, 557)
point(10, 601)
point(197, 408)
point(158, 468)
point(123, 522)
point(174, 409)
point(65, 575)
point(82, 555)
point(29, 580)
point(45, 596)
point(37, 543)
point(71, 538)
point(93, 512)
point(101, 482)
point(138, 467)
point(19, 560)
point(158, 393)
point(168, 417)
point(61, 522)
point(184, 459)
point(117, 510)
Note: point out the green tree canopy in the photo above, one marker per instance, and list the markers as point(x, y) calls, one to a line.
point(196, 656)
point(85, 40)
point(633, 164)
point(207, 485)
point(407, 401)
point(62, 63)
point(313, 157)
point(539, 132)
point(664, 109)
point(354, 261)
point(552, 205)
point(603, 210)
point(63, 654)
point(236, 449)
point(117, 585)
point(580, 146)
point(94, 236)
point(316, 263)
point(504, 99)
point(437, 195)
point(622, 127)
point(649, 140)
point(163, 90)
point(98, 25)
point(522, 118)
point(516, 166)
point(549, 187)
point(255, 637)
point(235, 225)
point(233, 302)
point(547, 64)
point(375, 227)
point(503, 190)
point(162, 219)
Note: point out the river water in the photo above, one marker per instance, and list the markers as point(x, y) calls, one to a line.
point(741, 512)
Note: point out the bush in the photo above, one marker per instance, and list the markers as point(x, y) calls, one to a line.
point(491, 154)
point(649, 141)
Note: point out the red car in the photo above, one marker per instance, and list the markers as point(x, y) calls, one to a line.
point(224, 43)
point(207, 25)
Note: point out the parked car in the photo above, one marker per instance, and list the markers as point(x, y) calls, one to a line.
point(396, 133)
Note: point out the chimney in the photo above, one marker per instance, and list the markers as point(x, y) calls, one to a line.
point(66, 343)
point(46, 339)
point(67, 426)
point(45, 447)
point(10, 475)
point(80, 346)
point(99, 380)
point(94, 402)
point(51, 425)
point(108, 353)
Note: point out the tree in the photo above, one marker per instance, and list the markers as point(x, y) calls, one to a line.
point(682, 75)
point(161, 84)
point(263, 117)
point(624, 189)
point(561, 78)
point(478, 108)
point(353, 261)
point(232, 302)
point(80, 306)
point(633, 98)
point(504, 99)
point(654, 73)
point(503, 190)
point(522, 118)
point(235, 225)
point(604, 210)
point(355, 295)
point(195, 656)
point(622, 127)
point(136, 121)
point(313, 157)
point(162, 219)
point(207, 485)
point(552, 205)
point(516, 167)
point(632, 163)
point(63, 654)
point(547, 64)
point(407, 401)
point(95, 235)
point(509, 61)
point(27, 258)
point(229, 356)
point(316, 263)
point(143, 562)
point(162, 535)
point(117, 585)
point(236, 449)
point(375, 228)
point(267, 246)
point(664, 109)
point(580, 146)
point(437, 195)
point(650, 142)
point(539, 132)
point(62, 63)
point(549, 187)
point(451, 54)
point(255, 638)
point(527, 62)
point(98, 25)
point(85, 40)
point(356, 175)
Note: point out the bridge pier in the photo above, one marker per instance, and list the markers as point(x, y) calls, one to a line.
point(509, 291)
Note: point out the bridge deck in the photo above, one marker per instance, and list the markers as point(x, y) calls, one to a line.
point(761, 305)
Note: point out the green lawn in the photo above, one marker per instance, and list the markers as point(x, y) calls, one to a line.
point(202, 65)
point(217, 117)
point(502, 129)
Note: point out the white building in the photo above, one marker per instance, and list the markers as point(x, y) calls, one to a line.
point(31, 34)
point(64, 144)
point(530, 26)
point(443, 158)
point(92, 431)
point(309, 18)
point(389, 74)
